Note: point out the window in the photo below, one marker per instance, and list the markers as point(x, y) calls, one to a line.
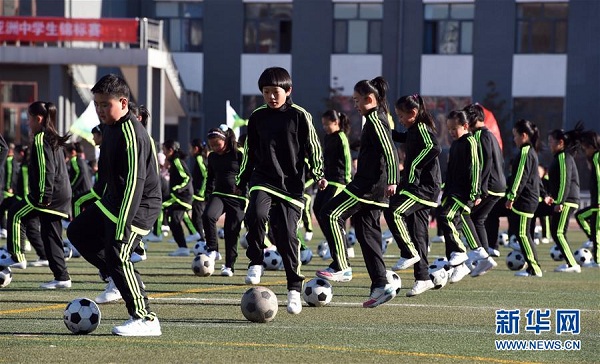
point(541, 28)
point(268, 28)
point(448, 28)
point(17, 7)
point(15, 98)
point(182, 24)
point(357, 28)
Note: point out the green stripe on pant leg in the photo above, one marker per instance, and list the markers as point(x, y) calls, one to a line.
point(401, 225)
point(526, 244)
point(129, 274)
point(562, 239)
point(188, 223)
point(450, 220)
point(337, 233)
point(468, 234)
point(16, 228)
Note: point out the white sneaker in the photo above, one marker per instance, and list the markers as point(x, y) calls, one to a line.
point(477, 254)
point(459, 273)
point(438, 239)
point(294, 305)
point(494, 252)
point(9, 262)
point(226, 271)
point(194, 237)
point(3, 233)
point(527, 274)
point(420, 287)
point(483, 266)
point(565, 268)
point(457, 258)
point(39, 263)
point(405, 263)
point(180, 252)
point(545, 241)
point(54, 284)
point(351, 253)
point(344, 275)
point(26, 246)
point(152, 238)
point(135, 257)
point(308, 236)
point(591, 264)
point(254, 274)
point(111, 293)
point(214, 255)
point(138, 327)
point(380, 295)
point(588, 244)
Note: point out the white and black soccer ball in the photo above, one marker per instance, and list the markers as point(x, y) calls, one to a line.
point(259, 304)
point(351, 236)
point(323, 250)
point(4, 254)
point(306, 256)
point(5, 276)
point(272, 260)
point(317, 292)
point(199, 248)
point(503, 238)
point(243, 241)
point(394, 279)
point(67, 250)
point(583, 256)
point(221, 233)
point(556, 254)
point(82, 316)
point(203, 265)
point(439, 277)
point(441, 262)
point(515, 260)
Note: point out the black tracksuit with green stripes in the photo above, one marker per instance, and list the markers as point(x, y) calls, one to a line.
point(408, 213)
point(273, 167)
point(588, 218)
point(364, 198)
point(106, 233)
point(461, 189)
point(524, 191)
point(180, 198)
point(199, 174)
point(49, 199)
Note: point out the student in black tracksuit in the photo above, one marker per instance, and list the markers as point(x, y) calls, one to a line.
point(365, 196)
point(562, 198)
point(337, 162)
point(523, 193)
point(461, 191)
point(280, 136)
point(180, 194)
point(420, 181)
point(588, 218)
point(223, 166)
point(199, 175)
point(49, 195)
point(107, 232)
point(80, 174)
point(7, 179)
point(493, 187)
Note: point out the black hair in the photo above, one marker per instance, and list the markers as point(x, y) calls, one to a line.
point(141, 112)
point(201, 145)
point(570, 137)
point(227, 135)
point(523, 126)
point(460, 115)
point(112, 85)
point(177, 151)
point(378, 87)
point(47, 111)
point(21, 148)
point(275, 76)
point(591, 139)
point(97, 129)
point(474, 113)
point(340, 117)
point(415, 101)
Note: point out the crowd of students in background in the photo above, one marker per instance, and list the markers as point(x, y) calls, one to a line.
point(263, 184)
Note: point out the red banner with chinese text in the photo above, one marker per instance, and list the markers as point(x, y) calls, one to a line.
point(50, 29)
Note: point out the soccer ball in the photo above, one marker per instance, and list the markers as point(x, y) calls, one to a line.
point(439, 277)
point(323, 250)
point(199, 248)
point(588, 244)
point(503, 239)
point(5, 276)
point(583, 256)
point(351, 236)
point(272, 260)
point(68, 250)
point(513, 242)
point(74, 252)
point(515, 260)
point(259, 304)
point(244, 241)
point(306, 256)
point(317, 292)
point(203, 265)
point(221, 233)
point(537, 232)
point(394, 279)
point(556, 254)
point(438, 263)
point(82, 316)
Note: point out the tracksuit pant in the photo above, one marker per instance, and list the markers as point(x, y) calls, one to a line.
point(520, 221)
point(588, 219)
point(559, 223)
point(474, 228)
point(197, 212)
point(233, 208)
point(451, 221)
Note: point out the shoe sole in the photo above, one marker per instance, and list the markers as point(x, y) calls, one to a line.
point(143, 334)
point(333, 279)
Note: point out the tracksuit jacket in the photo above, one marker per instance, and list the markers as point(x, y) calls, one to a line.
point(491, 162)
point(563, 184)
point(524, 182)
point(462, 177)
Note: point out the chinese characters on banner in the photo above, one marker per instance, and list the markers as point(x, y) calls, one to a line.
point(50, 29)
